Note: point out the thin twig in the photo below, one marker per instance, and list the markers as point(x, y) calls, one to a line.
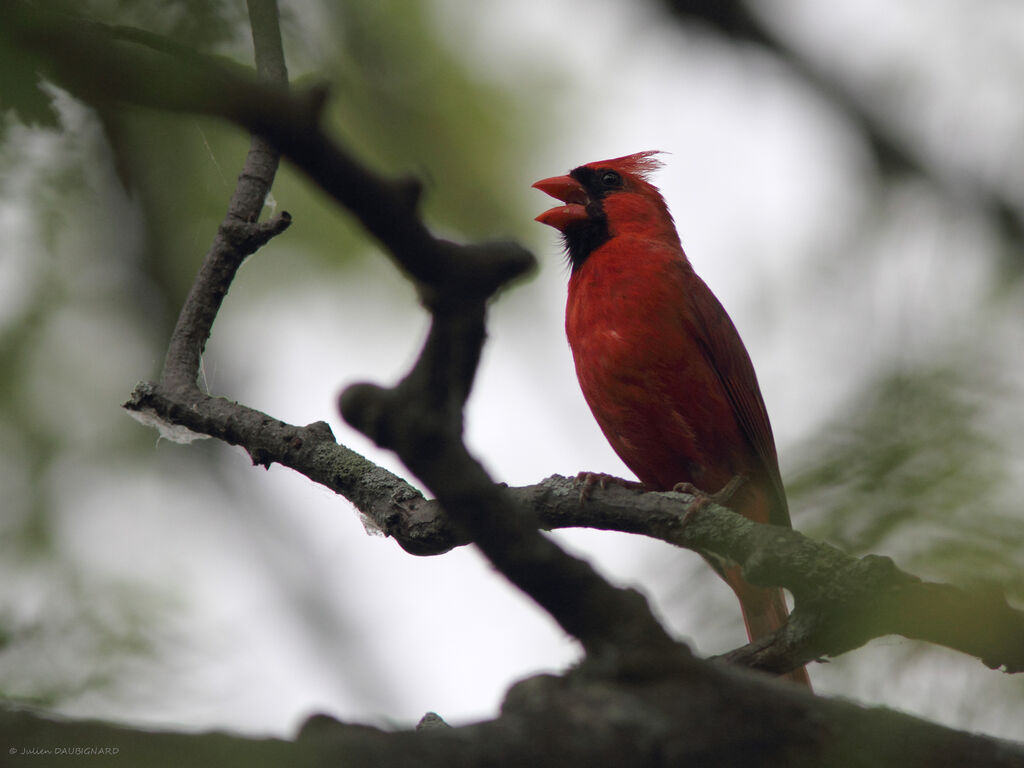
point(239, 234)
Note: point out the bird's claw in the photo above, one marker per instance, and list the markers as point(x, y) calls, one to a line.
point(587, 480)
point(701, 499)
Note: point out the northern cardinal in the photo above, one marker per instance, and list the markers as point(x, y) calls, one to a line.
point(659, 361)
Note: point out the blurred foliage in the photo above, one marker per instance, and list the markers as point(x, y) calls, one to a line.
point(76, 632)
point(396, 88)
point(409, 104)
point(73, 325)
point(895, 115)
point(910, 471)
point(21, 97)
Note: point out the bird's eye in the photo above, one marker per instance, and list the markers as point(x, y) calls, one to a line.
point(611, 179)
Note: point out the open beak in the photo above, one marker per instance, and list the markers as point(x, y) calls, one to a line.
point(570, 192)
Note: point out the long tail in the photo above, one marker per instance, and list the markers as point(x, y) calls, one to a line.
point(764, 611)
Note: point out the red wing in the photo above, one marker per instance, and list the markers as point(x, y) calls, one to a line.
point(725, 352)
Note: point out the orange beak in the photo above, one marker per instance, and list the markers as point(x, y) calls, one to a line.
point(569, 191)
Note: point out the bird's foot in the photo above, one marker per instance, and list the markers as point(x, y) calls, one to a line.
point(587, 480)
point(701, 499)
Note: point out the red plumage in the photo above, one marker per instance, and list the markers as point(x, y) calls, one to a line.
point(659, 361)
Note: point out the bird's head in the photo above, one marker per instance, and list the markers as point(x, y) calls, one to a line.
point(604, 200)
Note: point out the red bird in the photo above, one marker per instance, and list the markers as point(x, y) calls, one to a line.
point(658, 359)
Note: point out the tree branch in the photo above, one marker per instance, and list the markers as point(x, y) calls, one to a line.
point(239, 235)
point(560, 722)
point(842, 601)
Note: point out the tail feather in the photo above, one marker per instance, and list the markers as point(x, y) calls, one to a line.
point(764, 611)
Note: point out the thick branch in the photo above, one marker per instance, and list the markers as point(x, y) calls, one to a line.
point(561, 722)
point(841, 601)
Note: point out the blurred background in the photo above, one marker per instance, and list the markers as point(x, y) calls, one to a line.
point(846, 180)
